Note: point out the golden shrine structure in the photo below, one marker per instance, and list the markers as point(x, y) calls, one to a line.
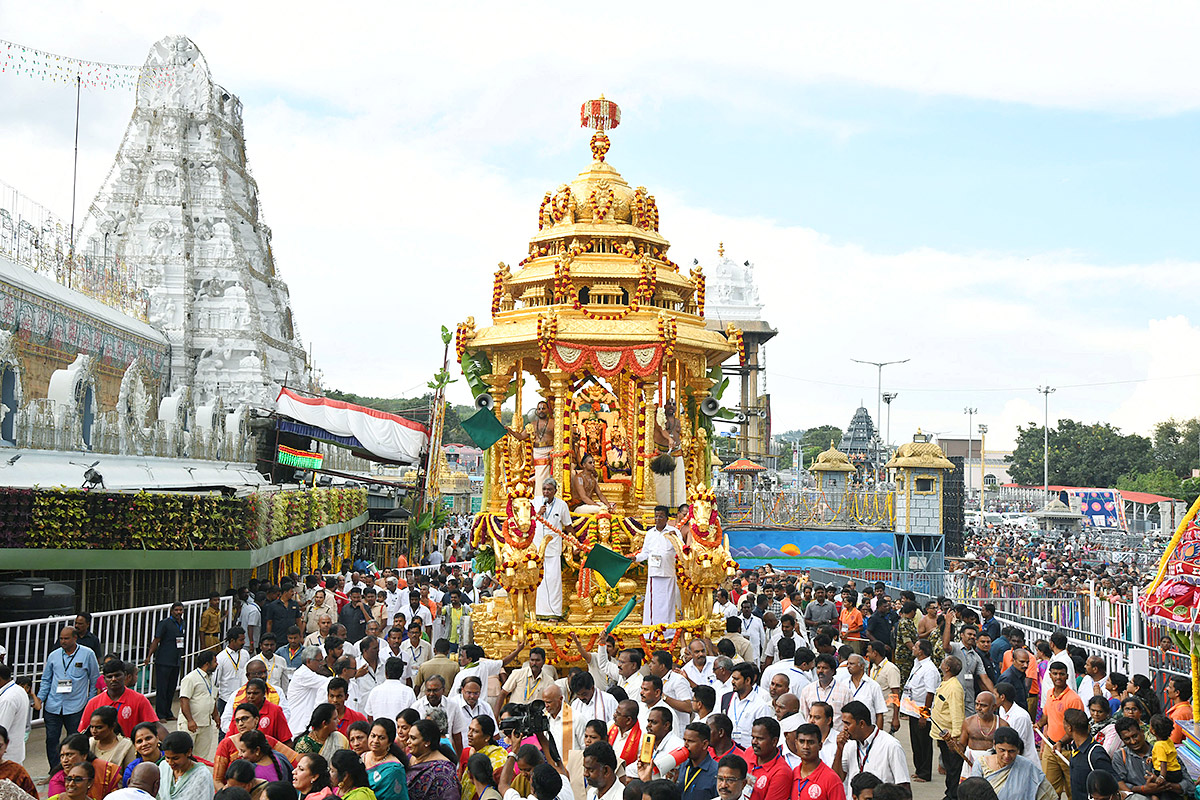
point(602, 326)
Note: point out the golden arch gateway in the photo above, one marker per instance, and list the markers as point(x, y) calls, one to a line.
point(599, 324)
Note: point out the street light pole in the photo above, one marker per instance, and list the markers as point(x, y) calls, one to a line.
point(970, 412)
point(878, 398)
point(982, 465)
point(888, 397)
point(1046, 391)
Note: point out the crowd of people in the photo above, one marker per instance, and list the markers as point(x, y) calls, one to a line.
point(370, 687)
point(1008, 554)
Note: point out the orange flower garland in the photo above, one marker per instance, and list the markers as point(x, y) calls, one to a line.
point(668, 334)
point(561, 203)
point(497, 292)
point(734, 335)
point(601, 201)
point(542, 211)
point(547, 332)
point(698, 278)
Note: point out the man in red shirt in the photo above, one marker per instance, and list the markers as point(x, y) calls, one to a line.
point(813, 779)
point(271, 719)
point(337, 692)
point(770, 775)
point(721, 743)
point(132, 707)
point(850, 621)
point(1179, 695)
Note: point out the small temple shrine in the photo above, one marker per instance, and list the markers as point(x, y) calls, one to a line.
point(600, 330)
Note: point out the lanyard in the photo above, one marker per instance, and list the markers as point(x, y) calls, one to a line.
point(66, 660)
point(862, 757)
point(208, 684)
point(687, 782)
point(535, 685)
point(828, 694)
point(800, 786)
point(738, 715)
point(859, 689)
point(237, 663)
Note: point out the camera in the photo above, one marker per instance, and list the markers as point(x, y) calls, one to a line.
point(528, 719)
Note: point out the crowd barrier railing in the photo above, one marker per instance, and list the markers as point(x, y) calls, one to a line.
point(126, 632)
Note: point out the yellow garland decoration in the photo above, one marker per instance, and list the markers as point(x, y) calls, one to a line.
point(636, 630)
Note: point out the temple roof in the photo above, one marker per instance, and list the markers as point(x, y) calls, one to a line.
point(859, 434)
point(920, 455)
point(832, 460)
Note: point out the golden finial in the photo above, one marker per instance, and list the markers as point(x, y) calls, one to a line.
point(721, 249)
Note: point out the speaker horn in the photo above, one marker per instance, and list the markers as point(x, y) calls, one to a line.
point(738, 416)
point(486, 401)
point(710, 407)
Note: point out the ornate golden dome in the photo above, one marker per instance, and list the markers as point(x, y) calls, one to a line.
point(920, 453)
point(832, 460)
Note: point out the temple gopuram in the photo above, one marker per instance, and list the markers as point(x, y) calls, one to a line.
point(606, 336)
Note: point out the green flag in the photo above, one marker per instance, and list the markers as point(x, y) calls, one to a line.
point(610, 564)
point(483, 428)
point(620, 617)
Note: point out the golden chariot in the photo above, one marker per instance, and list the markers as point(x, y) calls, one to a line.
point(599, 323)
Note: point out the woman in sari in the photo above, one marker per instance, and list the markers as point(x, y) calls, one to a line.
point(357, 735)
point(481, 739)
point(181, 777)
point(76, 749)
point(240, 774)
point(310, 778)
point(404, 721)
point(145, 744)
point(268, 765)
point(107, 742)
point(431, 774)
point(11, 770)
point(322, 735)
point(349, 776)
point(1013, 776)
point(594, 731)
point(1135, 709)
point(78, 780)
point(1042, 648)
point(384, 761)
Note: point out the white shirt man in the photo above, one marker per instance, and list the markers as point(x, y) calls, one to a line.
point(307, 690)
point(864, 689)
point(553, 518)
point(277, 671)
point(602, 705)
point(231, 669)
point(744, 704)
point(469, 706)
point(702, 676)
point(922, 681)
point(388, 699)
point(414, 654)
point(393, 600)
point(880, 754)
point(753, 630)
point(14, 715)
point(454, 716)
point(662, 587)
point(420, 613)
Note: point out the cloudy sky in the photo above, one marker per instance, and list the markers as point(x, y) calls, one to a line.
point(1004, 194)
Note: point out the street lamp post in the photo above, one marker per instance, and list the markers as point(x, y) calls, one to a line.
point(888, 397)
point(970, 412)
point(1046, 391)
point(982, 466)
point(879, 397)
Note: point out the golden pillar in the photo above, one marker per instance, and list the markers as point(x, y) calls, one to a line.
point(649, 496)
point(560, 465)
point(495, 477)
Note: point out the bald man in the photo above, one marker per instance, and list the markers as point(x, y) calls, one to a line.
point(785, 705)
point(143, 783)
point(978, 730)
point(562, 728)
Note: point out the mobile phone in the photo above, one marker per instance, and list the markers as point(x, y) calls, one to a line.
point(647, 748)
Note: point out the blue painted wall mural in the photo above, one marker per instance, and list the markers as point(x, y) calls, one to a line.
point(812, 548)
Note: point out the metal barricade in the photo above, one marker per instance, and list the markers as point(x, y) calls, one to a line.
point(125, 633)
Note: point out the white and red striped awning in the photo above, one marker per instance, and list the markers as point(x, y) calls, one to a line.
point(386, 436)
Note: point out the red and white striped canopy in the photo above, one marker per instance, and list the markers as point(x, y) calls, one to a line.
point(601, 115)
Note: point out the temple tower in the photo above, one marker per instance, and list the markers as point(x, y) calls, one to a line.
point(920, 468)
point(180, 208)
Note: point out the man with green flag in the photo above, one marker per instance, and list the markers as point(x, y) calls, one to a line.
point(662, 588)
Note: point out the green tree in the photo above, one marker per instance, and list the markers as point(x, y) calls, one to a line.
point(1177, 445)
point(1080, 455)
point(453, 433)
point(1158, 481)
point(816, 440)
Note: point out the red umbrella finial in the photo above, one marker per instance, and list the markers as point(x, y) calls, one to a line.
point(600, 115)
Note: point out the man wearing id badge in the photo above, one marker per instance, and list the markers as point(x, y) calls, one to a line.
point(662, 590)
point(167, 649)
point(67, 682)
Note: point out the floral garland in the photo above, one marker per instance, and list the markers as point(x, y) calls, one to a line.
point(734, 335)
point(547, 332)
point(560, 203)
point(497, 291)
point(564, 287)
point(542, 211)
point(601, 201)
point(600, 144)
point(512, 533)
point(646, 282)
point(668, 334)
point(698, 278)
point(611, 315)
point(463, 335)
point(640, 458)
point(714, 523)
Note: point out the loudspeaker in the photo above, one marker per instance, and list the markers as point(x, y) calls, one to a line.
point(710, 407)
point(485, 400)
point(738, 416)
point(952, 509)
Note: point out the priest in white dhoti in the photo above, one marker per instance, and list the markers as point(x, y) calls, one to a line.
point(553, 520)
point(662, 588)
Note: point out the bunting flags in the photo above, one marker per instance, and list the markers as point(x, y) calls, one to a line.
point(18, 59)
point(301, 459)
